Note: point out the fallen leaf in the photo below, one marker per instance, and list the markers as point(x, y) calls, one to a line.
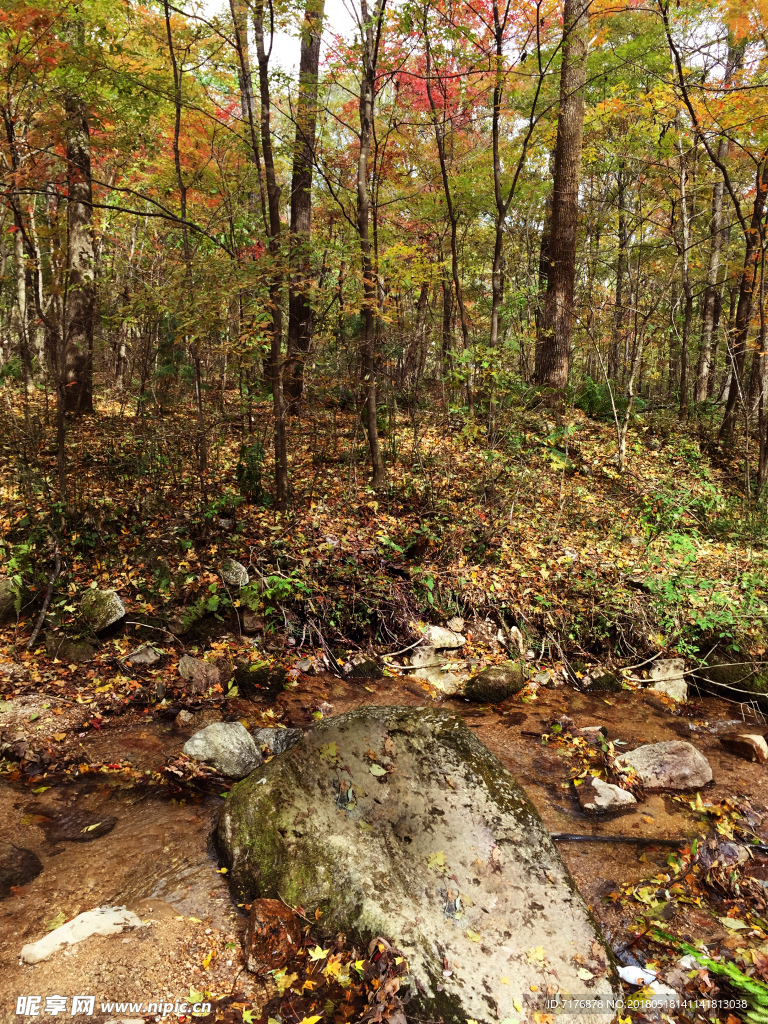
point(56, 922)
point(377, 770)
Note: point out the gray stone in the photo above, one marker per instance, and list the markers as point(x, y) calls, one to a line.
point(276, 741)
point(599, 797)
point(674, 764)
point(101, 608)
point(426, 657)
point(604, 682)
point(144, 656)
point(193, 721)
point(361, 667)
point(226, 746)
point(443, 639)
point(399, 822)
point(9, 595)
point(72, 652)
point(445, 681)
point(233, 573)
point(200, 675)
point(495, 684)
point(750, 746)
point(252, 622)
point(667, 676)
point(17, 867)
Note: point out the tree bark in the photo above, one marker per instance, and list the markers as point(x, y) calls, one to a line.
point(711, 290)
point(81, 287)
point(370, 30)
point(247, 103)
point(553, 351)
point(300, 315)
point(738, 347)
point(621, 273)
point(273, 205)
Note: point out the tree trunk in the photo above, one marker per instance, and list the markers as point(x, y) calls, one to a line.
point(80, 296)
point(453, 217)
point(371, 35)
point(738, 348)
point(685, 250)
point(544, 261)
point(621, 273)
point(553, 351)
point(300, 315)
point(247, 104)
point(273, 204)
point(711, 290)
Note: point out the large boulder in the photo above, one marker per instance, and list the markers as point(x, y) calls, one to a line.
point(101, 608)
point(673, 764)
point(9, 596)
point(226, 746)
point(734, 678)
point(495, 684)
point(399, 822)
point(668, 676)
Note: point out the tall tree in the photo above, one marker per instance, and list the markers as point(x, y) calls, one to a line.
point(81, 289)
point(300, 316)
point(553, 350)
point(370, 26)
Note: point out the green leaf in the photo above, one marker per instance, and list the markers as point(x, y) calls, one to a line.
point(56, 922)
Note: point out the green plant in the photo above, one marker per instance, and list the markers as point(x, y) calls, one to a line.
point(273, 591)
point(249, 472)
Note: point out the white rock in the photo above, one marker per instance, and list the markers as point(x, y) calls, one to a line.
point(145, 655)
point(101, 921)
point(673, 764)
point(426, 657)
point(446, 682)
point(456, 624)
point(443, 639)
point(233, 573)
point(667, 676)
point(227, 746)
point(596, 796)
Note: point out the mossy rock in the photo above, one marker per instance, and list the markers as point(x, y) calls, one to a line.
point(72, 652)
point(606, 682)
point(101, 608)
point(369, 818)
point(10, 596)
point(496, 683)
point(734, 677)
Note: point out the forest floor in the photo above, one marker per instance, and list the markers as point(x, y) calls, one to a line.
point(528, 525)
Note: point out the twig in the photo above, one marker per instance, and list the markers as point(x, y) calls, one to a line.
point(48, 594)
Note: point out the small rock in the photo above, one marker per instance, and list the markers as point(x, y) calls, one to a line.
point(101, 921)
point(145, 655)
point(200, 674)
point(252, 623)
point(101, 608)
point(226, 746)
point(9, 595)
point(361, 667)
point(751, 746)
point(456, 624)
point(76, 652)
point(446, 682)
point(178, 625)
point(443, 639)
point(233, 573)
point(496, 683)
point(273, 936)
point(426, 657)
point(276, 741)
point(226, 524)
point(604, 682)
point(593, 734)
point(17, 867)
point(668, 677)
point(674, 764)
point(599, 797)
point(189, 721)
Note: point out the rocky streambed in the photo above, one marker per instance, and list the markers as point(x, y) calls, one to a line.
point(98, 838)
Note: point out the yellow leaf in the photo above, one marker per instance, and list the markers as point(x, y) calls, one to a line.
point(284, 981)
point(436, 860)
point(318, 953)
point(195, 920)
point(473, 936)
point(504, 980)
point(536, 955)
point(517, 1005)
point(90, 828)
point(310, 1020)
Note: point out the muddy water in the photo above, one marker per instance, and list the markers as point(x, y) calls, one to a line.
point(159, 851)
